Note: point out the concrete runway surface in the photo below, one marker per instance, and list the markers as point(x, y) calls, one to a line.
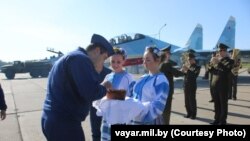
point(24, 97)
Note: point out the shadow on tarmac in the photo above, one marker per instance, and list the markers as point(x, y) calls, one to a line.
point(197, 118)
point(239, 105)
point(229, 113)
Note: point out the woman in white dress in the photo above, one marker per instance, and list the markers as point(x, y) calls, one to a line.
point(151, 89)
point(120, 79)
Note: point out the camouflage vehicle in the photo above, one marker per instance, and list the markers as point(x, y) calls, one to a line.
point(34, 68)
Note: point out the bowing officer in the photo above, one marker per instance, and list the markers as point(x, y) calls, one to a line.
point(73, 84)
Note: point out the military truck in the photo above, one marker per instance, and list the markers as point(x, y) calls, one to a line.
point(53, 59)
point(35, 68)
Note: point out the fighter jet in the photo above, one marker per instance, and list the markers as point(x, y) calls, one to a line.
point(135, 44)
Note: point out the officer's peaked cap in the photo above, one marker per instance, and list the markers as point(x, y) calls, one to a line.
point(98, 39)
point(191, 55)
point(222, 46)
point(191, 51)
point(166, 49)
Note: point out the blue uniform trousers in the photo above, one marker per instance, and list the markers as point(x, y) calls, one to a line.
point(56, 128)
point(95, 122)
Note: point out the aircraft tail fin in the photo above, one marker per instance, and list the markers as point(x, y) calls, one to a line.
point(196, 39)
point(228, 35)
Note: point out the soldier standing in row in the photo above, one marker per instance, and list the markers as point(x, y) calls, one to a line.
point(191, 71)
point(234, 75)
point(235, 72)
point(222, 66)
point(211, 77)
point(170, 72)
point(206, 75)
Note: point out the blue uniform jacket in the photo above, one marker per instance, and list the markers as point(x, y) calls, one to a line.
point(73, 84)
point(2, 100)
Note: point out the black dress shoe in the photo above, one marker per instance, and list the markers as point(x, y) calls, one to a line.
point(234, 98)
point(187, 116)
point(193, 117)
point(222, 123)
point(211, 101)
point(215, 123)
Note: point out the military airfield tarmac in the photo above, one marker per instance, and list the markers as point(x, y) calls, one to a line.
point(24, 97)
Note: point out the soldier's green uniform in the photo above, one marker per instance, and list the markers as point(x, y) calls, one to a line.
point(206, 75)
point(170, 72)
point(190, 87)
point(234, 75)
point(210, 65)
point(220, 81)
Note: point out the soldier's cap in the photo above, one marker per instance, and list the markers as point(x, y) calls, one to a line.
point(191, 51)
point(222, 46)
point(98, 39)
point(166, 49)
point(191, 55)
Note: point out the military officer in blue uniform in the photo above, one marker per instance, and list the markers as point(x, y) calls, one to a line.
point(3, 105)
point(73, 84)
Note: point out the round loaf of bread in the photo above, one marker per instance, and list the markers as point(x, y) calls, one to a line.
point(116, 94)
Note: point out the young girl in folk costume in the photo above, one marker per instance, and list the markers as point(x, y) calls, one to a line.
point(151, 89)
point(120, 79)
